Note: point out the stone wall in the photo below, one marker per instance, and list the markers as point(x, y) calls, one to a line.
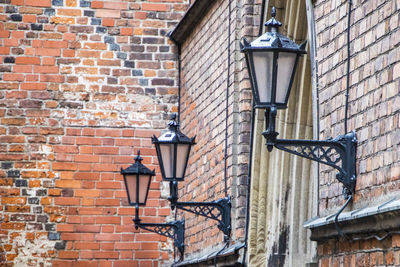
point(83, 86)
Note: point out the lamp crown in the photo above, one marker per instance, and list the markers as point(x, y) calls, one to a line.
point(173, 124)
point(273, 24)
point(138, 158)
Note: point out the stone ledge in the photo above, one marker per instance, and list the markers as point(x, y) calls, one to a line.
point(383, 217)
point(229, 256)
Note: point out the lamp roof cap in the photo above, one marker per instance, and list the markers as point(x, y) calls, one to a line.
point(173, 135)
point(138, 167)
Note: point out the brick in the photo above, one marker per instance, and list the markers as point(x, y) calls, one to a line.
point(87, 245)
point(68, 254)
point(69, 12)
point(108, 220)
point(13, 77)
point(27, 60)
point(29, 18)
point(33, 86)
point(62, 20)
point(108, 237)
point(23, 68)
point(107, 202)
point(65, 228)
point(108, 13)
point(12, 139)
point(116, 5)
point(64, 166)
point(46, 69)
point(87, 193)
point(44, 3)
point(67, 201)
point(55, 52)
point(13, 200)
point(155, 7)
point(106, 254)
point(68, 183)
point(55, 44)
point(88, 141)
point(147, 254)
point(97, 4)
point(108, 22)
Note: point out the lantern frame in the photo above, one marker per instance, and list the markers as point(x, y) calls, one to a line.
point(137, 169)
point(175, 138)
point(275, 43)
point(175, 229)
point(339, 153)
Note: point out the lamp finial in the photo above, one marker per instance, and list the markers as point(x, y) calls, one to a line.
point(138, 158)
point(173, 124)
point(273, 24)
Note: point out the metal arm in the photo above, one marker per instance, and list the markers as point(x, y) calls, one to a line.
point(339, 153)
point(219, 210)
point(174, 230)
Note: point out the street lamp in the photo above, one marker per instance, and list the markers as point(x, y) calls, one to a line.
point(137, 178)
point(173, 148)
point(272, 60)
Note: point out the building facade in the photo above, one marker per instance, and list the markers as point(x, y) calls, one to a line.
point(85, 84)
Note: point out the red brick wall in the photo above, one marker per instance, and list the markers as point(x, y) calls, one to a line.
point(205, 74)
point(360, 253)
point(83, 85)
point(374, 113)
point(374, 96)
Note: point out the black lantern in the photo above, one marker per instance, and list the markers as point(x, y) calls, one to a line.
point(173, 149)
point(271, 60)
point(137, 178)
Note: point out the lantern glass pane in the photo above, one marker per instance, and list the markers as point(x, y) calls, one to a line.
point(167, 155)
point(263, 70)
point(144, 181)
point(285, 69)
point(182, 154)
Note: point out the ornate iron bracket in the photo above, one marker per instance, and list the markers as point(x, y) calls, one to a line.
point(174, 230)
point(219, 210)
point(339, 153)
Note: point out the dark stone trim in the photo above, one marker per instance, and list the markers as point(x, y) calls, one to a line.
point(226, 257)
point(363, 222)
point(190, 20)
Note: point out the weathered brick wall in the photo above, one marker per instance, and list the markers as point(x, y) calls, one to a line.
point(83, 85)
point(204, 63)
point(374, 111)
point(374, 100)
point(361, 253)
point(205, 74)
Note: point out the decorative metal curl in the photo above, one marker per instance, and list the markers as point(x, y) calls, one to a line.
point(219, 210)
point(339, 153)
point(174, 230)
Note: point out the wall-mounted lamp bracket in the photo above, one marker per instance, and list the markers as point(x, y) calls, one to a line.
point(174, 230)
point(339, 153)
point(219, 210)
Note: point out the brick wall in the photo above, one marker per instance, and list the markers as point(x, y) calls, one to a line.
point(374, 93)
point(374, 111)
point(83, 85)
point(205, 74)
